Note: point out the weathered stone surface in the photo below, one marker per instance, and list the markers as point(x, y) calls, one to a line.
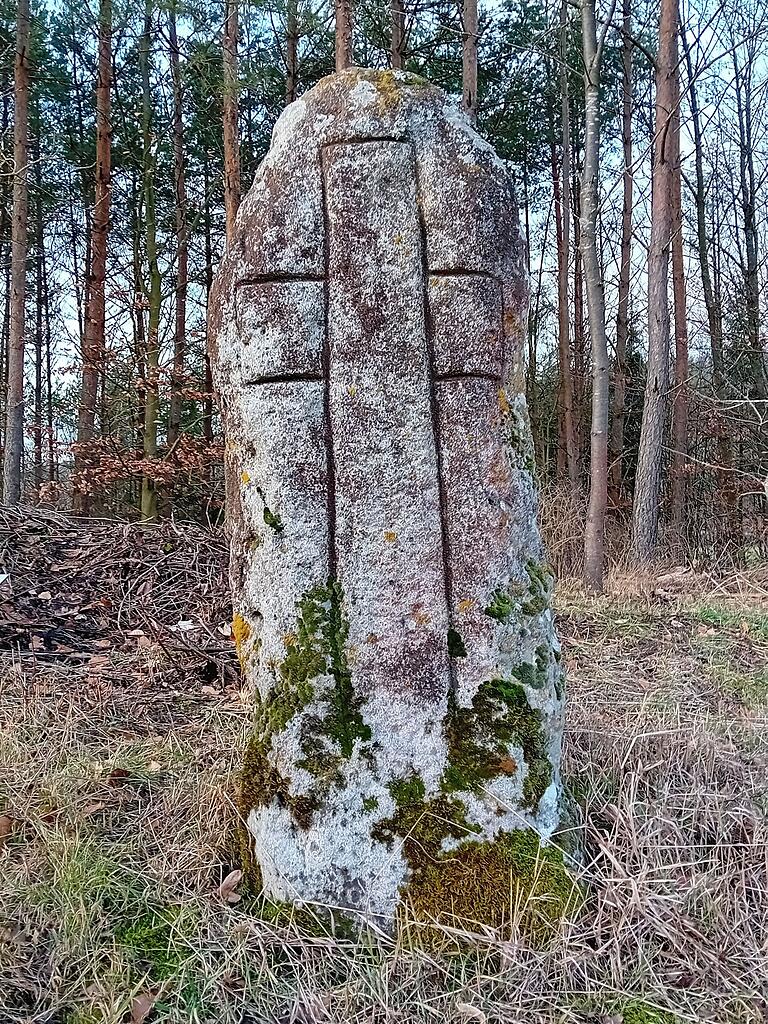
point(392, 601)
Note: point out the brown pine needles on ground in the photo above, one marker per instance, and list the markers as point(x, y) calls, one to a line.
point(121, 727)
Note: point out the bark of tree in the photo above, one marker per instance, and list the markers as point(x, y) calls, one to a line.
point(645, 510)
point(291, 50)
point(344, 29)
point(579, 345)
point(153, 296)
point(208, 400)
point(594, 542)
point(724, 470)
point(469, 57)
point(14, 430)
point(37, 423)
point(563, 233)
point(6, 187)
point(749, 189)
point(96, 273)
point(397, 49)
point(230, 104)
point(53, 469)
point(678, 474)
point(182, 236)
point(616, 447)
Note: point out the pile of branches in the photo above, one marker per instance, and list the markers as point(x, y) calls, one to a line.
point(84, 592)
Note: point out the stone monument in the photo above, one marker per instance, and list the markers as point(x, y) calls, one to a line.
point(392, 601)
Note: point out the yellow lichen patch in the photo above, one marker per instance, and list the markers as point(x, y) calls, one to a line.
point(389, 90)
point(465, 604)
point(372, 638)
point(390, 536)
point(421, 615)
point(241, 633)
point(504, 402)
point(245, 477)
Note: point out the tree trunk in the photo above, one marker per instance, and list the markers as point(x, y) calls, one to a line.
point(182, 236)
point(594, 542)
point(152, 399)
point(291, 50)
point(95, 301)
point(208, 386)
point(14, 431)
point(680, 403)
point(563, 231)
point(469, 57)
point(397, 14)
point(579, 345)
point(726, 489)
point(344, 27)
point(231, 141)
point(37, 429)
point(53, 469)
point(743, 93)
point(645, 511)
point(616, 451)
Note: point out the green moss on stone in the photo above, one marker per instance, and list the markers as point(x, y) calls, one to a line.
point(328, 736)
point(316, 648)
point(479, 738)
point(273, 520)
point(484, 882)
point(476, 881)
point(539, 591)
point(535, 675)
point(501, 606)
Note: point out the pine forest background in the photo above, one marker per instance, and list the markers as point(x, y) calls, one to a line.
point(639, 148)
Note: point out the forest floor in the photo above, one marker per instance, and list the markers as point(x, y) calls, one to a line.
point(121, 727)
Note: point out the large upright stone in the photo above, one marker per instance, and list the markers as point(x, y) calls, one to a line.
point(392, 603)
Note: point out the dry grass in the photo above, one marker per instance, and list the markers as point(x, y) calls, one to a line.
point(117, 786)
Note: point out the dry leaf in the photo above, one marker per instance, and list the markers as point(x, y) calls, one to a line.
point(92, 808)
point(142, 1006)
point(6, 827)
point(227, 888)
point(470, 1012)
